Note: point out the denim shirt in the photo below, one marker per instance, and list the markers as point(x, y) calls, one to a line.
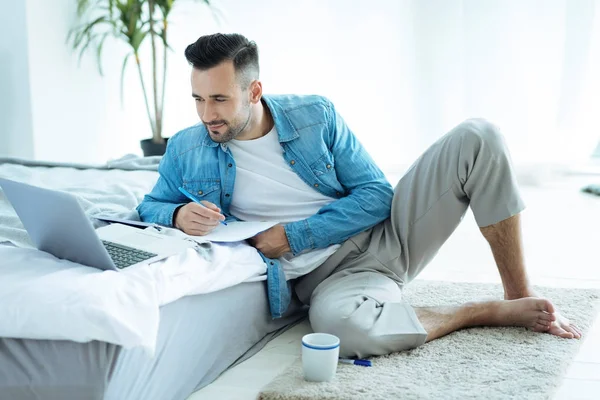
point(316, 144)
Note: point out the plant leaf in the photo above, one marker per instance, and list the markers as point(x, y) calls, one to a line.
point(123, 73)
point(99, 52)
point(129, 22)
point(137, 38)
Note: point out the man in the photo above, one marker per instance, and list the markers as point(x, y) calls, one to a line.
point(347, 241)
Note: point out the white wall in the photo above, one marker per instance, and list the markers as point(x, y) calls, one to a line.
point(400, 72)
point(78, 115)
point(53, 107)
point(347, 50)
point(15, 101)
point(69, 103)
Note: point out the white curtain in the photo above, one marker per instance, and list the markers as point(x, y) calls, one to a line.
point(532, 67)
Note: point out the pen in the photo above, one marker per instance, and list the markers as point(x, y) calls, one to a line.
point(362, 363)
point(194, 199)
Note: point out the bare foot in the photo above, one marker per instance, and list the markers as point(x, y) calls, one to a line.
point(537, 314)
point(560, 325)
point(534, 313)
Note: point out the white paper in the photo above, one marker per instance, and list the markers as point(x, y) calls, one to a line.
point(236, 230)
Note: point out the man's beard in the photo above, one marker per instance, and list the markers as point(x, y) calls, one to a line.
point(232, 131)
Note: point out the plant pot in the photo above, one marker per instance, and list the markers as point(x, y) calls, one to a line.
point(153, 149)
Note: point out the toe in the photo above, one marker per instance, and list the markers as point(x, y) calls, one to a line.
point(573, 329)
point(560, 332)
point(567, 335)
point(563, 334)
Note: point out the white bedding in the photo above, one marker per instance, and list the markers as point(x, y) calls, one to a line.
point(42, 297)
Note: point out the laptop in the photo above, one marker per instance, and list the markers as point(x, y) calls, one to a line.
point(58, 225)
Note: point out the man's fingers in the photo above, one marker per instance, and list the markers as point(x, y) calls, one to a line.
point(206, 212)
point(211, 206)
point(204, 220)
point(201, 222)
point(194, 228)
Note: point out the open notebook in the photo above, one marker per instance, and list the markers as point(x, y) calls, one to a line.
point(234, 231)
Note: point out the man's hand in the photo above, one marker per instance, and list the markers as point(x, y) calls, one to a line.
point(272, 243)
point(197, 220)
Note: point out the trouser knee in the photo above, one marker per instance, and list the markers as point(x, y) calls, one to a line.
point(483, 135)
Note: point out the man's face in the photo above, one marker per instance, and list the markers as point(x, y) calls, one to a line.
point(222, 105)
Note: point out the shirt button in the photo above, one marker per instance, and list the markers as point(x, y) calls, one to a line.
point(316, 185)
point(200, 192)
point(328, 166)
point(292, 162)
point(227, 195)
point(230, 165)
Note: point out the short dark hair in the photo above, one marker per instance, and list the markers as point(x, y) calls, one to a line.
point(211, 50)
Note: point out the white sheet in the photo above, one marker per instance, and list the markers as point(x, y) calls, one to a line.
point(42, 297)
point(189, 273)
point(107, 192)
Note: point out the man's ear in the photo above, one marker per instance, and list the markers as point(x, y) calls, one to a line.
point(255, 91)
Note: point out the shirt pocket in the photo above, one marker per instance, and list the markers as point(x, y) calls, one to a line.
point(323, 165)
point(205, 189)
point(324, 170)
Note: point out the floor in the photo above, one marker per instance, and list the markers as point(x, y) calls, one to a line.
point(561, 236)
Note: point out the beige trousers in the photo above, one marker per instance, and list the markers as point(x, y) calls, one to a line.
point(357, 293)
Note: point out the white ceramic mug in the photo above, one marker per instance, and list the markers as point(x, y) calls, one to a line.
point(320, 353)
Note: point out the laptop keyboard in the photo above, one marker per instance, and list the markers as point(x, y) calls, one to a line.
point(124, 256)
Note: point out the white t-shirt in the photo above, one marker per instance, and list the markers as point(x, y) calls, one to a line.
point(267, 189)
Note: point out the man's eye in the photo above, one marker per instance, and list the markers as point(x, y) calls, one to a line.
point(219, 100)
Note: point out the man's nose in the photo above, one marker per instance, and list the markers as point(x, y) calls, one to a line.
point(209, 114)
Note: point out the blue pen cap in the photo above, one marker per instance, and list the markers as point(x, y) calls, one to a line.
point(364, 363)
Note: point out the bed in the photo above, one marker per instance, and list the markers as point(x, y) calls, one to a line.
point(198, 338)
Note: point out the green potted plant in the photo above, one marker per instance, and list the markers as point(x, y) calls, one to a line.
point(133, 22)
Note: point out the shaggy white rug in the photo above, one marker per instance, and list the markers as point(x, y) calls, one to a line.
point(483, 363)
